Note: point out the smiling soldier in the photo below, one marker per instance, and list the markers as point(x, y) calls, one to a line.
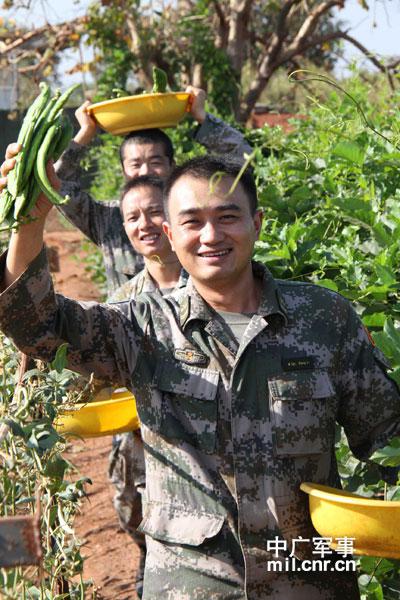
point(142, 152)
point(239, 378)
point(142, 211)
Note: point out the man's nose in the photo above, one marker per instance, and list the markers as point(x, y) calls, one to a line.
point(144, 169)
point(210, 233)
point(144, 220)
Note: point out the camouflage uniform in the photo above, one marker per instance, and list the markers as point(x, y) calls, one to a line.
point(230, 431)
point(102, 222)
point(142, 283)
point(127, 469)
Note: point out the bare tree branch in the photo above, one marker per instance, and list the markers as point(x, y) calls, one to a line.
point(223, 26)
point(313, 42)
point(7, 48)
point(392, 66)
point(220, 13)
point(372, 57)
point(62, 32)
point(311, 22)
point(278, 37)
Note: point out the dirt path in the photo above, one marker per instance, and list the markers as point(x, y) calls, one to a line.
point(110, 555)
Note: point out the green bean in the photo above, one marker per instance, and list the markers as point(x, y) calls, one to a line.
point(48, 117)
point(6, 200)
point(66, 134)
point(16, 175)
point(40, 168)
point(34, 188)
point(42, 126)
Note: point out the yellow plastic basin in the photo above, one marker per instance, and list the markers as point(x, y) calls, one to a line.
point(375, 524)
point(114, 415)
point(130, 113)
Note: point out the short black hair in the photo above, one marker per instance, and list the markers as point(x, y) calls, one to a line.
point(142, 181)
point(208, 167)
point(148, 136)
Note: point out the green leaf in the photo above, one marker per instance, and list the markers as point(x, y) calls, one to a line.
point(374, 319)
point(389, 456)
point(392, 332)
point(349, 151)
point(382, 236)
point(14, 426)
point(56, 467)
point(60, 361)
point(351, 205)
point(328, 283)
point(386, 275)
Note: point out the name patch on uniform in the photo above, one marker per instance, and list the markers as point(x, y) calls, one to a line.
point(190, 356)
point(298, 363)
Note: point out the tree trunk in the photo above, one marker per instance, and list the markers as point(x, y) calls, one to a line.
point(249, 101)
point(198, 76)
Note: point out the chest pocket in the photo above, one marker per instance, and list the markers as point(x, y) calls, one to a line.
point(303, 412)
point(189, 403)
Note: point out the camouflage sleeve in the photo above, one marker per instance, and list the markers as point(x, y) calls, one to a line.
point(100, 338)
point(369, 399)
point(88, 215)
point(220, 138)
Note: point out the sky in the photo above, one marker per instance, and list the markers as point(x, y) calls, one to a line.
point(378, 29)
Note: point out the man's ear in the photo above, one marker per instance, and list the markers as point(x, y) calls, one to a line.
point(258, 219)
point(168, 233)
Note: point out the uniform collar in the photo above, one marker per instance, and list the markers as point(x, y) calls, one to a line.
point(192, 305)
point(147, 284)
point(271, 302)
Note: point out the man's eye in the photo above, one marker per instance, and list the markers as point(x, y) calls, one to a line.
point(229, 217)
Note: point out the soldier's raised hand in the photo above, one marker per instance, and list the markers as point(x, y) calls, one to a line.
point(88, 125)
point(197, 109)
point(43, 205)
point(8, 164)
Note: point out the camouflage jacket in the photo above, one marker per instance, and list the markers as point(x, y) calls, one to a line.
point(140, 284)
point(230, 431)
point(102, 222)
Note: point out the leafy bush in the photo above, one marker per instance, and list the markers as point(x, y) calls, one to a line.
point(330, 191)
point(33, 470)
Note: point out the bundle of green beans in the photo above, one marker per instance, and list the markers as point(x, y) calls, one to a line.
point(44, 135)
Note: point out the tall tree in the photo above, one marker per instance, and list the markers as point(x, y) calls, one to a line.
point(208, 42)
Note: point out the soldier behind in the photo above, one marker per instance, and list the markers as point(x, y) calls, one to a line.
point(141, 205)
point(146, 152)
point(239, 380)
point(142, 210)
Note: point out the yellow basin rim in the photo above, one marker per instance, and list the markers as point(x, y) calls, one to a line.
point(116, 414)
point(343, 497)
point(132, 113)
point(369, 522)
